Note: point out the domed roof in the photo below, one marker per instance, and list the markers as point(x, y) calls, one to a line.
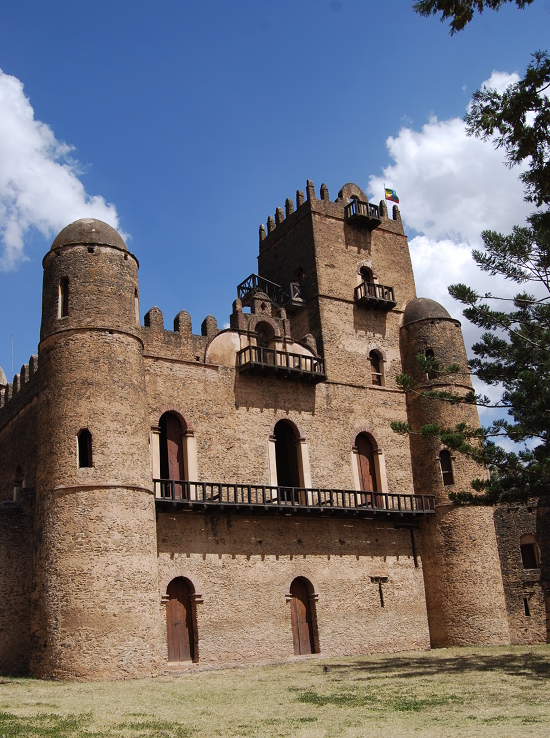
point(3, 378)
point(422, 308)
point(88, 230)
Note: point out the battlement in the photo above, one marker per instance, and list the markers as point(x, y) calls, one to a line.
point(16, 394)
point(351, 205)
point(180, 343)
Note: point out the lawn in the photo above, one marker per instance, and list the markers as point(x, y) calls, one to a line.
point(481, 692)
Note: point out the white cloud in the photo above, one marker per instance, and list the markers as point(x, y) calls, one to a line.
point(39, 184)
point(452, 187)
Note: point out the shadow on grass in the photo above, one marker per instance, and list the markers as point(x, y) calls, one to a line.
point(529, 665)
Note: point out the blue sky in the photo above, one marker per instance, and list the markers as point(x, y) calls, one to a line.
point(186, 124)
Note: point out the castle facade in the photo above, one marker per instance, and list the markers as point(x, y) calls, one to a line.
point(171, 500)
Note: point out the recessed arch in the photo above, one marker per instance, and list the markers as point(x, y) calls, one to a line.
point(265, 334)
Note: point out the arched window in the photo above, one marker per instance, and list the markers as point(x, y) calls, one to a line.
point(180, 621)
point(376, 367)
point(302, 613)
point(286, 457)
point(446, 467)
point(172, 461)
point(63, 303)
point(84, 440)
point(429, 354)
point(368, 478)
point(529, 552)
point(366, 274)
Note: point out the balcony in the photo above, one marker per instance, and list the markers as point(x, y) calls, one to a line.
point(289, 298)
point(263, 499)
point(281, 363)
point(362, 213)
point(375, 295)
point(253, 284)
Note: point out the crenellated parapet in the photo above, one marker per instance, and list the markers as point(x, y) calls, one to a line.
point(351, 205)
point(180, 343)
point(16, 394)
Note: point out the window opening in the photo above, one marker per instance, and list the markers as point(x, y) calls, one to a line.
point(63, 304)
point(84, 448)
point(180, 620)
point(286, 459)
point(429, 354)
point(376, 365)
point(446, 467)
point(413, 547)
point(526, 607)
point(529, 553)
point(302, 617)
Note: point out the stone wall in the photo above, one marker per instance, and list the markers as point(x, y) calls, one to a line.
point(528, 624)
point(15, 582)
point(242, 567)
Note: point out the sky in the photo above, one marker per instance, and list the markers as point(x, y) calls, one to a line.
point(186, 124)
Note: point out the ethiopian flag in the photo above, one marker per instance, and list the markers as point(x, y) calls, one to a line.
point(391, 195)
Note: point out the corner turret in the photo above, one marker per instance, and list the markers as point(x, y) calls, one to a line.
point(96, 573)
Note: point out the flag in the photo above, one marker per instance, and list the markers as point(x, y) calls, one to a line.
point(391, 195)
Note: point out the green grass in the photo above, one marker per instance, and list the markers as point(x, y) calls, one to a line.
point(483, 692)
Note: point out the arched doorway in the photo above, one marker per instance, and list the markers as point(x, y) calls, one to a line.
point(302, 616)
point(179, 620)
point(367, 470)
point(172, 462)
point(286, 459)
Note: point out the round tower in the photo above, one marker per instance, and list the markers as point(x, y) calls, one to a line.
point(462, 576)
point(95, 595)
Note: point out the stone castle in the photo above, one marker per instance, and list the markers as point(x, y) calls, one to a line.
point(171, 500)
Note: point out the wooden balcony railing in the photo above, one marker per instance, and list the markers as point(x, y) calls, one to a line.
point(286, 500)
point(254, 284)
point(375, 295)
point(271, 361)
point(363, 213)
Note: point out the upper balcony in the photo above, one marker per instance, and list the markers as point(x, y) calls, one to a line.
point(283, 363)
point(291, 297)
point(259, 499)
point(362, 213)
point(375, 295)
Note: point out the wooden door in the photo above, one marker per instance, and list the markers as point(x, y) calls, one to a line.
point(367, 471)
point(171, 452)
point(302, 626)
point(179, 621)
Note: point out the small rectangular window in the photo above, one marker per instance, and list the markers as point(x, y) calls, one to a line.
point(526, 607)
point(84, 448)
point(63, 305)
point(446, 467)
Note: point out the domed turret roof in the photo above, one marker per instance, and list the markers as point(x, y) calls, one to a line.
point(3, 378)
point(88, 230)
point(422, 308)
